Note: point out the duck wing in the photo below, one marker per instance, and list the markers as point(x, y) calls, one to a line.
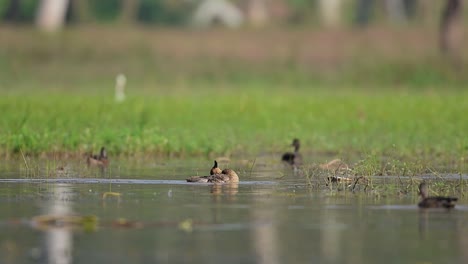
point(297, 159)
point(219, 178)
point(199, 179)
point(288, 157)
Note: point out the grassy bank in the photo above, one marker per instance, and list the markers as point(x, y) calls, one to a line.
point(222, 121)
point(224, 93)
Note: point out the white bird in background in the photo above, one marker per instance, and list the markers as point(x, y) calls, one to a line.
point(120, 82)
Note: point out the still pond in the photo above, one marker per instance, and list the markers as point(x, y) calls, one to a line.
point(149, 214)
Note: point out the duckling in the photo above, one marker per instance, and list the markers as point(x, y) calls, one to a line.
point(215, 169)
point(100, 161)
point(435, 201)
point(226, 176)
point(295, 158)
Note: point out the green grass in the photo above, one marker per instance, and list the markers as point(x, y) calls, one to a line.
point(222, 121)
point(355, 102)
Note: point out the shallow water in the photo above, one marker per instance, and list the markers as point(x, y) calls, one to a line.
point(150, 215)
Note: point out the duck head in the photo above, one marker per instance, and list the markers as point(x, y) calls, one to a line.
point(233, 177)
point(296, 144)
point(103, 153)
point(423, 190)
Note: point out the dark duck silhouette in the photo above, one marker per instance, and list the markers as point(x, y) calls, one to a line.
point(293, 158)
point(100, 160)
point(226, 176)
point(434, 201)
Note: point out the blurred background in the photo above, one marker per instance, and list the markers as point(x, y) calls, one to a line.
point(339, 41)
point(184, 63)
point(53, 14)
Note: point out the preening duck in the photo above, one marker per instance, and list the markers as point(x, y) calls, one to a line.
point(100, 160)
point(226, 176)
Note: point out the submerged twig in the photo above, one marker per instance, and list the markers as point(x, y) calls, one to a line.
point(111, 194)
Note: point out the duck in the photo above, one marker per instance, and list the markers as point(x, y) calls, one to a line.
point(293, 158)
point(215, 169)
point(434, 201)
point(226, 176)
point(99, 161)
point(337, 167)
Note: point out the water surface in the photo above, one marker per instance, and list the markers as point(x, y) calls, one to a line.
point(272, 216)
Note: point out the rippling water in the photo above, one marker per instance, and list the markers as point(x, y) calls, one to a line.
point(148, 214)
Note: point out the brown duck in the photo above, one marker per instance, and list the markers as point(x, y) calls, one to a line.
point(226, 176)
point(293, 158)
point(434, 201)
point(215, 169)
point(100, 160)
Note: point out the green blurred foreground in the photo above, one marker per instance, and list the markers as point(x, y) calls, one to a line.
point(238, 97)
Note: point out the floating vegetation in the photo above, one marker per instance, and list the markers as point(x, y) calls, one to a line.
point(111, 194)
point(186, 225)
point(91, 223)
point(46, 222)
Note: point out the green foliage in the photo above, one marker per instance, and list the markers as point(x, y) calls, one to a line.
point(194, 123)
point(106, 10)
point(164, 11)
point(27, 9)
point(3, 7)
point(58, 96)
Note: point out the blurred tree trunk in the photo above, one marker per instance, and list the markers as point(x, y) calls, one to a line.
point(51, 14)
point(13, 11)
point(81, 10)
point(331, 12)
point(364, 11)
point(451, 29)
point(396, 10)
point(426, 10)
point(129, 11)
point(410, 8)
point(257, 12)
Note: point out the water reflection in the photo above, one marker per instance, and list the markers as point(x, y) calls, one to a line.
point(224, 190)
point(59, 240)
point(432, 222)
point(159, 217)
point(423, 223)
point(265, 237)
point(330, 237)
point(462, 230)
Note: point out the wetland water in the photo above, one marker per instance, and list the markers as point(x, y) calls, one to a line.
point(150, 215)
